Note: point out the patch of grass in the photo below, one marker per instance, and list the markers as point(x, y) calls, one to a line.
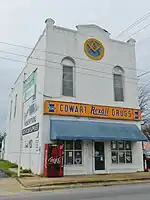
point(10, 173)
point(4, 164)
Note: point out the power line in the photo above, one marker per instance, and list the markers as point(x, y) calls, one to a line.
point(135, 82)
point(134, 24)
point(137, 31)
point(25, 56)
point(16, 54)
point(143, 74)
point(60, 54)
point(93, 70)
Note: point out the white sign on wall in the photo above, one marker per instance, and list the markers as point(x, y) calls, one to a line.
point(29, 114)
point(30, 86)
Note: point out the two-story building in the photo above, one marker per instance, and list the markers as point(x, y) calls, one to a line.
point(79, 88)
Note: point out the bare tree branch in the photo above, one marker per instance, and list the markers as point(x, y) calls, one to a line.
point(144, 102)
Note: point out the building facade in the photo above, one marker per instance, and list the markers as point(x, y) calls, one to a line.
point(79, 88)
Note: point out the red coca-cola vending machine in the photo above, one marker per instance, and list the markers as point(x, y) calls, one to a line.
point(53, 160)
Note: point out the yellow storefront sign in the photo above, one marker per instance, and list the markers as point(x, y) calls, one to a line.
point(93, 111)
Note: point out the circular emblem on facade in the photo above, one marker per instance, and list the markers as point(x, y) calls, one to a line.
point(94, 49)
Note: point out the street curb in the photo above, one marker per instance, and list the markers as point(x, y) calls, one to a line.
point(85, 185)
point(84, 182)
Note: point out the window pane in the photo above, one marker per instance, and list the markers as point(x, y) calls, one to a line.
point(128, 157)
point(78, 145)
point(121, 157)
point(67, 73)
point(68, 92)
point(68, 88)
point(114, 157)
point(118, 87)
point(67, 69)
point(78, 157)
point(67, 81)
point(69, 157)
point(118, 81)
point(128, 145)
point(69, 145)
point(68, 84)
point(119, 94)
point(68, 76)
point(121, 145)
point(114, 145)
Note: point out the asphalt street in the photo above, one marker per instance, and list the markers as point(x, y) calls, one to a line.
point(124, 192)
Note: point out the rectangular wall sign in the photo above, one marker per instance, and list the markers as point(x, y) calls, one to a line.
point(93, 111)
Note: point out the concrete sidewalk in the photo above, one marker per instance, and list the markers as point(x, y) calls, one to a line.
point(9, 186)
point(60, 182)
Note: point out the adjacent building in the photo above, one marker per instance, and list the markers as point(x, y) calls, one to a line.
point(79, 88)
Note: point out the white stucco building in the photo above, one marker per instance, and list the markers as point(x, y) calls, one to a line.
point(78, 87)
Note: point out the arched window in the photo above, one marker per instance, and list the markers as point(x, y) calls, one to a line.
point(118, 74)
point(68, 65)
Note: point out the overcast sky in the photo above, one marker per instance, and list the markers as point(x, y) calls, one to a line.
point(22, 22)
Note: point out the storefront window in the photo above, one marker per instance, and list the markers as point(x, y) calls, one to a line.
point(121, 152)
point(69, 145)
point(128, 157)
point(121, 157)
point(73, 152)
point(114, 157)
point(69, 157)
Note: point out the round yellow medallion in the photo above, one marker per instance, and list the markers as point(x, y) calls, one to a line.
point(94, 49)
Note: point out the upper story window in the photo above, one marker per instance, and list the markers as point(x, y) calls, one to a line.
point(118, 79)
point(15, 108)
point(68, 65)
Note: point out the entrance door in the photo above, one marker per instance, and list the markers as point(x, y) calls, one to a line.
point(99, 157)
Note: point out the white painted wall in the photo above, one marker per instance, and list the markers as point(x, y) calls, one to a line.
point(30, 158)
point(93, 79)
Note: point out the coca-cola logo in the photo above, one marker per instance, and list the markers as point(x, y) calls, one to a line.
point(54, 161)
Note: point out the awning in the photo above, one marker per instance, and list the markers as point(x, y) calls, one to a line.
point(88, 130)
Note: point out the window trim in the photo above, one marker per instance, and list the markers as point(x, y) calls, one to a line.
point(115, 88)
point(117, 70)
point(70, 64)
point(73, 150)
point(124, 150)
point(67, 80)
